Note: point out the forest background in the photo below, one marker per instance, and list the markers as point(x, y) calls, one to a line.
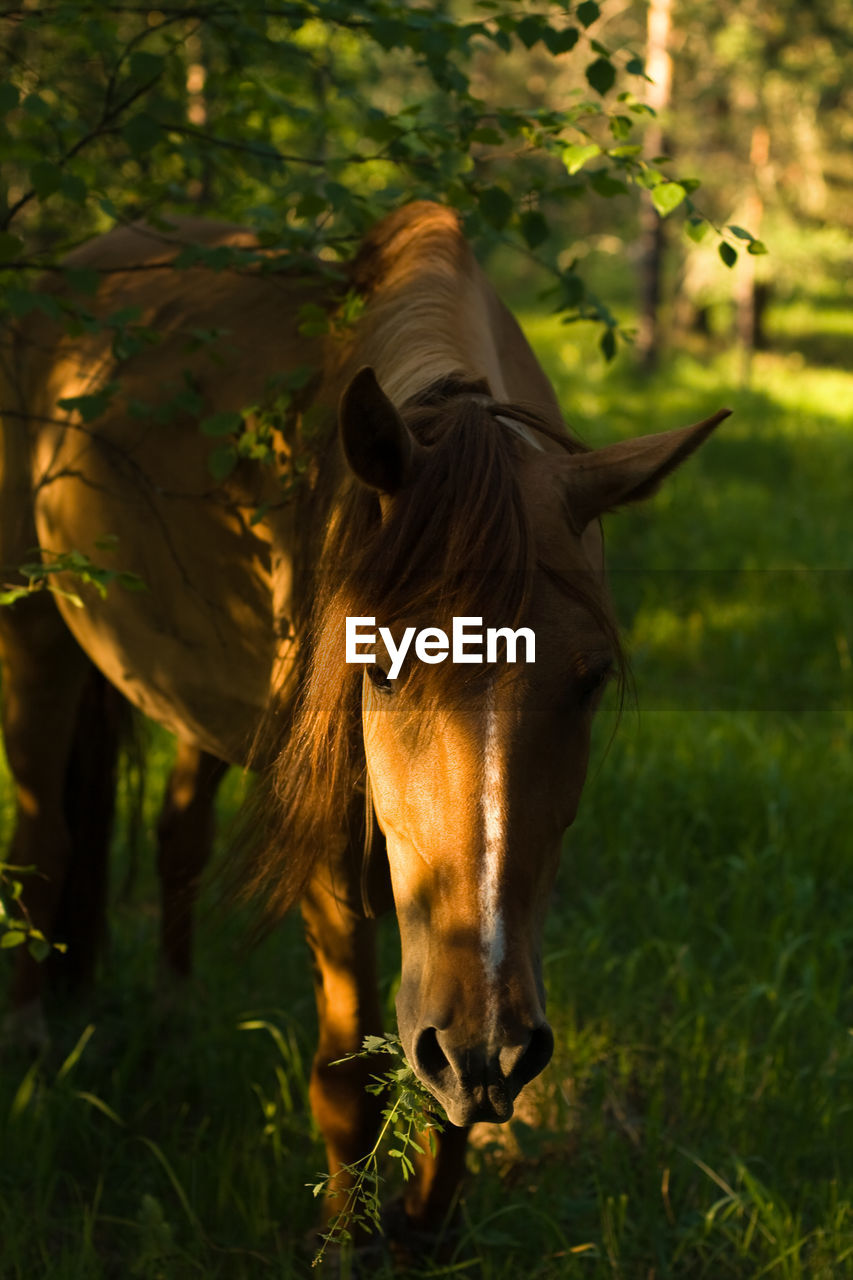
point(696, 1120)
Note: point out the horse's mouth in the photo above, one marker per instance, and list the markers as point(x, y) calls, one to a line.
point(480, 1104)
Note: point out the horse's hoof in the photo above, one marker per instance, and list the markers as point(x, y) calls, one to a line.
point(411, 1243)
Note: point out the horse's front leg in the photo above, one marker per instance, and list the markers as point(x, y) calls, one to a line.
point(431, 1195)
point(343, 944)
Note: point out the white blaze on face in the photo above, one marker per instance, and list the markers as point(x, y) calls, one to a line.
point(494, 839)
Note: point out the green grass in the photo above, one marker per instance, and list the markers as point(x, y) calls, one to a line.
point(697, 1119)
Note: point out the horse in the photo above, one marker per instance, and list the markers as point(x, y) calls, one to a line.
point(411, 466)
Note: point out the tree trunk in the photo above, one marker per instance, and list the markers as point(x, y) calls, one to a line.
point(749, 296)
point(652, 240)
point(200, 188)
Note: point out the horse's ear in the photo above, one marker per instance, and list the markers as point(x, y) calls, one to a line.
point(630, 470)
point(379, 447)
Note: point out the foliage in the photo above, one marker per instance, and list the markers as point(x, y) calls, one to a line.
point(40, 575)
point(16, 929)
point(309, 120)
point(409, 1119)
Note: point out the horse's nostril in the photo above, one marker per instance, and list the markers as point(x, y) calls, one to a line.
point(430, 1058)
point(536, 1056)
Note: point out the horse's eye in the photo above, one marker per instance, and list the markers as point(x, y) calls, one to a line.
point(379, 678)
point(595, 680)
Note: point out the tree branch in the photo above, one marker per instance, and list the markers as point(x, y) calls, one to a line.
point(104, 126)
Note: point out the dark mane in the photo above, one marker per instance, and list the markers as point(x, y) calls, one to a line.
point(458, 542)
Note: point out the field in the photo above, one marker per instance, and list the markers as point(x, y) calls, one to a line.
point(697, 1118)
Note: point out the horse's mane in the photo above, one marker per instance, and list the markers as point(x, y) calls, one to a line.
point(458, 544)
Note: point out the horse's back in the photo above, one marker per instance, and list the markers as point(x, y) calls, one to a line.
point(173, 347)
point(139, 243)
point(203, 647)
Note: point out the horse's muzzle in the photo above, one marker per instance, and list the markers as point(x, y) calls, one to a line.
point(474, 1083)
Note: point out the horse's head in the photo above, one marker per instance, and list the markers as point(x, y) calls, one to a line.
point(476, 771)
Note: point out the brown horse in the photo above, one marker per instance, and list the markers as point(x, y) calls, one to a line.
point(429, 477)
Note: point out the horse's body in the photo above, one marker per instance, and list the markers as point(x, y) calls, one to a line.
point(474, 784)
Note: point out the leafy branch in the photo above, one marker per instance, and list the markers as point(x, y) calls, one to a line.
point(409, 1120)
point(16, 928)
point(40, 575)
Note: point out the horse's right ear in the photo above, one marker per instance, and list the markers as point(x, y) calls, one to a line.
point(379, 447)
point(630, 470)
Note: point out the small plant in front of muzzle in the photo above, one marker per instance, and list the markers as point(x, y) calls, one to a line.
point(410, 1120)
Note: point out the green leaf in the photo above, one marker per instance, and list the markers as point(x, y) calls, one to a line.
point(608, 344)
point(46, 178)
point(39, 949)
point(9, 98)
point(667, 196)
point(487, 135)
point(534, 227)
point(635, 67)
point(648, 178)
point(222, 461)
point(82, 280)
point(311, 204)
point(587, 12)
point(571, 290)
point(605, 185)
point(529, 30)
point(388, 33)
point(620, 127)
point(35, 106)
point(740, 233)
point(576, 155)
point(313, 320)
point(10, 246)
point(221, 424)
point(74, 188)
point(13, 594)
point(145, 65)
point(601, 74)
point(560, 41)
point(12, 938)
point(91, 406)
point(728, 254)
point(756, 247)
point(696, 229)
point(496, 206)
point(141, 132)
point(99, 1105)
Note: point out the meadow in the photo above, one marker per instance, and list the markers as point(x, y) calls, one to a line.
point(697, 1118)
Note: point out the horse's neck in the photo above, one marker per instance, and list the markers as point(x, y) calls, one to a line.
point(430, 313)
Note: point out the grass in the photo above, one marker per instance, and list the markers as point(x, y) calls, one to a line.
point(697, 1119)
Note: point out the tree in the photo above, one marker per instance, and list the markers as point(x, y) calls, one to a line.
point(308, 120)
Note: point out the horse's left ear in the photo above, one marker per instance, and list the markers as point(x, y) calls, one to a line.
point(379, 447)
point(630, 470)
